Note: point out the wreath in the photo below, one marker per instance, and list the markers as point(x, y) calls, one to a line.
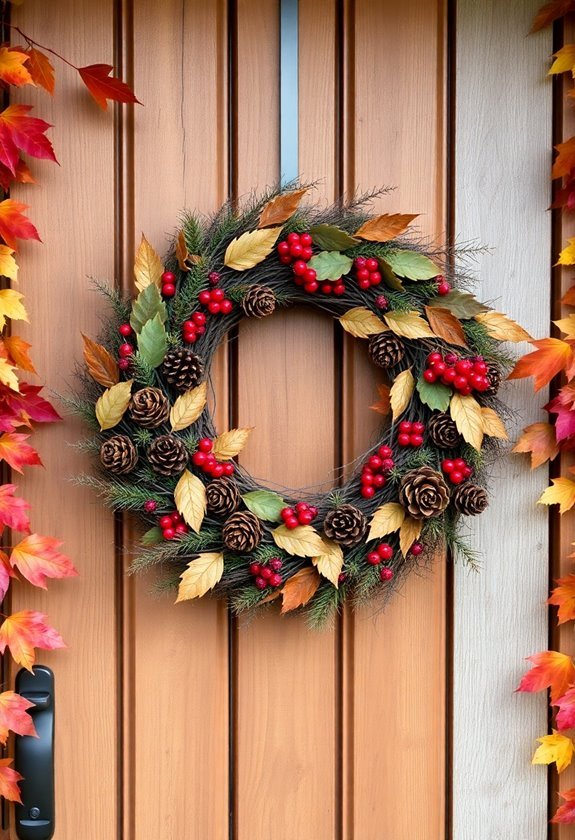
point(210, 525)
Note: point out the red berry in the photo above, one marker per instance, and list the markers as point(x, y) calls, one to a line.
point(364, 284)
point(306, 254)
point(375, 278)
point(385, 574)
point(449, 376)
point(375, 462)
point(313, 510)
point(371, 264)
point(124, 364)
point(286, 513)
point(405, 426)
point(447, 465)
point(199, 459)
point(190, 337)
point(381, 302)
point(429, 375)
point(189, 326)
point(467, 472)
point(367, 479)
point(255, 568)
point(465, 392)
point(266, 572)
point(373, 558)
point(214, 277)
point(416, 549)
point(175, 517)
point(205, 444)
point(305, 518)
point(368, 492)
point(198, 318)
point(311, 287)
point(125, 330)
point(450, 359)
point(310, 275)
point(276, 564)
point(181, 528)
point(276, 580)
point(299, 267)
point(301, 507)
point(169, 290)
point(204, 297)
point(150, 505)
point(285, 259)
point(460, 382)
point(168, 533)
point(464, 366)
point(416, 440)
point(341, 577)
point(210, 460)
point(168, 277)
point(306, 240)
point(459, 464)
point(362, 274)
point(295, 249)
point(229, 468)
point(439, 368)
point(217, 294)
point(443, 289)
point(218, 470)
point(385, 551)
point(483, 384)
point(326, 288)
point(418, 428)
point(434, 357)
point(388, 464)
point(292, 522)
point(379, 480)
point(226, 306)
point(385, 451)
point(260, 582)
point(165, 522)
point(404, 439)
point(359, 262)
point(339, 289)
point(125, 350)
point(293, 238)
point(214, 307)
point(480, 367)
point(456, 477)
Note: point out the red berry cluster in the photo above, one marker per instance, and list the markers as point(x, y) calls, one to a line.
point(168, 284)
point(410, 434)
point(296, 251)
point(367, 272)
point(215, 301)
point(296, 248)
point(194, 327)
point(456, 470)
point(374, 471)
point(464, 375)
point(205, 459)
point(267, 574)
point(443, 287)
point(382, 552)
point(126, 349)
point(300, 514)
point(172, 526)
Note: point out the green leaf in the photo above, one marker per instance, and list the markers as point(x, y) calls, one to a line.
point(152, 342)
point(412, 265)
point(389, 278)
point(330, 265)
point(461, 304)
point(147, 305)
point(265, 504)
point(434, 394)
point(152, 537)
point(332, 238)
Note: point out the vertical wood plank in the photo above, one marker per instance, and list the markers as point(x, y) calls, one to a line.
point(502, 187)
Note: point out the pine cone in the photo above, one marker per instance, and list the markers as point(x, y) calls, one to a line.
point(385, 350)
point(182, 369)
point(494, 376)
point(167, 455)
point(223, 496)
point(345, 525)
point(423, 493)
point(242, 532)
point(259, 301)
point(469, 499)
point(149, 408)
point(443, 431)
point(118, 454)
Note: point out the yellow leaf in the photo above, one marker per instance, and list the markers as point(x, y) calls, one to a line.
point(362, 322)
point(279, 209)
point(8, 265)
point(562, 493)
point(493, 424)
point(303, 541)
point(111, 406)
point(229, 444)
point(564, 60)
point(409, 533)
point(7, 375)
point(148, 267)
point(11, 306)
point(251, 248)
point(300, 588)
point(401, 392)
point(567, 255)
point(188, 407)
point(556, 748)
point(466, 413)
point(201, 575)
point(386, 520)
point(501, 327)
point(408, 325)
point(567, 325)
point(330, 564)
point(190, 498)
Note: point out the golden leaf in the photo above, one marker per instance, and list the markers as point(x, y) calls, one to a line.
point(386, 520)
point(567, 255)
point(408, 325)
point(401, 392)
point(362, 322)
point(8, 376)
point(279, 209)
point(386, 227)
point(100, 363)
point(8, 265)
point(446, 325)
point(190, 498)
point(148, 267)
point(111, 406)
point(493, 424)
point(229, 444)
point(562, 493)
point(251, 248)
point(303, 541)
point(501, 327)
point(185, 259)
point(330, 564)
point(467, 415)
point(556, 748)
point(567, 325)
point(299, 589)
point(409, 533)
point(188, 407)
point(201, 575)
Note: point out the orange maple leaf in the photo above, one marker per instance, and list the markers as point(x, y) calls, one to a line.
point(13, 224)
point(566, 714)
point(13, 510)
point(565, 813)
point(14, 717)
point(16, 452)
point(9, 781)
point(37, 558)
point(552, 11)
point(565, 160)
point(102, 86)
point(563, 596)
point(25, 630)
point(40, 68)
point(383, 405)
point(12, 69)
point(539, 440)
point(551, 670)
point(568, 298)
point(551, 357)
point(17, 350)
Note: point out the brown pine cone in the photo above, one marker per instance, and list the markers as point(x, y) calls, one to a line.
point(423, 493)
point(149, 408)
point(182, 369)
point(242, 532)
point(167, 455)
point(443, 431)
point(223, 496)
point(345, 525)
point(469, 499)
point(494, 377)
point(385, 350)
point(259, 301)
point(118, 454)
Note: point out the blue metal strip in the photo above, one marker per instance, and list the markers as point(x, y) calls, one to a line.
point(289, 99)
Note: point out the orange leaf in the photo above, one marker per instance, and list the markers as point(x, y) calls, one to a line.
point(279, 209)
point(383, 406)
point(538, 439)
point(14, 717)
point(299, 589)
point(9, 781)
point(386, 227)
point(568, 298)
point(445, 325)
point(551, 670)
point(25, 630)
point(38, 558)
point(565, 813)
point(551, 357)
point(102, 86)
point(563, 596)
point(17, 350)
point(12, 69)
point(41, 69)
point(100, 363)
point(565, 160)
point(550, 12)
point(16, 452)
point(13, 224)
point(13, 510)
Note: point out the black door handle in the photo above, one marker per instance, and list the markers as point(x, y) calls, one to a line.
point(34, 757)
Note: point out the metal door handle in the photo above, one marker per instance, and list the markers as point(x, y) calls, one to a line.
point(34, 757)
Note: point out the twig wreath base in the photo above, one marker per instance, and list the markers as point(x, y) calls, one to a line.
point(210, 525)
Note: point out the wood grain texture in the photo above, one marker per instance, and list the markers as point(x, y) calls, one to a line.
point(503, 142)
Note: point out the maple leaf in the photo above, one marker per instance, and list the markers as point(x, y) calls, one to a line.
point(565, 197)
point(12, 69)
point(14, 716)
point(551, 670)
point(16, 452)
point(9, 781)
point(19, 132)
point(38, 558)
point(23, 631)
point(563, 596)
point(564, 60)
point(565, 813)
point(562, 493)
point(7, 374)
point(565, 160)
point(554, 748)
point(551, 356)
point(17, 350)
point(22, 175)
point(102, 86)
point(30, 405)
point(566, 714)
point(383, 405)
point(539, 440)
point(552, 11)
point(568, 298)
point(564, 424)
point(6, 573)
point(40, 68)
point(11, 306)
point(567, 255)
point(13, 510)
point(14, 225)
point(8, 265)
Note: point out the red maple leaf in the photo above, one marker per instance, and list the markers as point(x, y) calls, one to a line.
point(37, 558)
point(551, 670)
point(13, 224)
point(17, 453)
point(29, 405)
point(566, 713)
point(14, 716)
point(565, 197)
point(9, 781)
point(566, 813)
point(13, 510)
point(102, 86)
point(25, 630)
point(21, 176)
point(21, 133)
point(6, 573)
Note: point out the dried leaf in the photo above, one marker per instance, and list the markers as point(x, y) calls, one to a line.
point(202, 574)
point(266, 504)
point(412, 265)
point(229, 444)
point(562, 493)
point(386, 227)
point(466, 413)
point(188, 407)
point(383, 405)
point(362, 322)
point(100, 363)
point(493, 425)
point(303, 541)
point(148, 267)
point(190, 498)
point(111, 406)
point(538, 439)
point(408, 533)
point(550, 12)
point(279, 209)
point(408, 325)
point(299, 589)
point(461, 304)
point(185, 259)
point(386, 520)
point(251, 248)
point(332, 238)
point(401, 392)
point(446, 325)
point(330, 564)
point(330, 265)
point(502, 328)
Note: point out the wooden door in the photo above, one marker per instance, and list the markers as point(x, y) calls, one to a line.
point(180, 722)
